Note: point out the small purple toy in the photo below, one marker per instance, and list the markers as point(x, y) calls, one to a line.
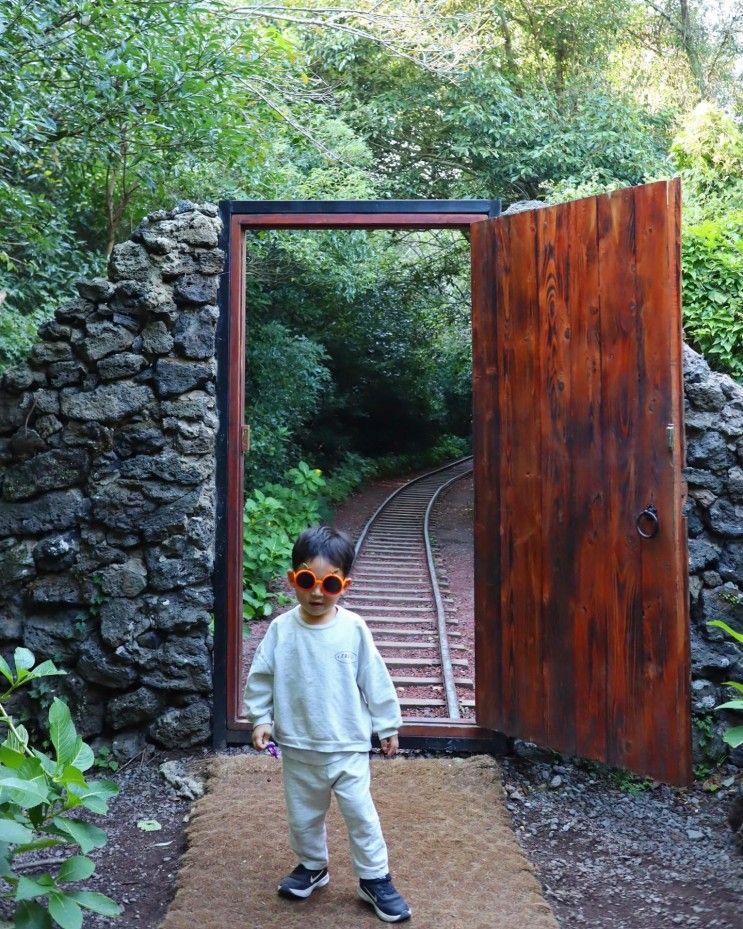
point(273, 749)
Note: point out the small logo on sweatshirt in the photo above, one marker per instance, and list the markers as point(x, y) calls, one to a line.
point(346, 657)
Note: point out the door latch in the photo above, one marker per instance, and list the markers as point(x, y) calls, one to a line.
point(245, 439)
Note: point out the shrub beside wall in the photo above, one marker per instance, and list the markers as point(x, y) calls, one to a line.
point(107, 441)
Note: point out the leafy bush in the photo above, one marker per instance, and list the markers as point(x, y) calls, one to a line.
point(713, 290)
point(274, 515)
point(734, 735)
point(447, 448)
point(353, 471)
point(37, 792)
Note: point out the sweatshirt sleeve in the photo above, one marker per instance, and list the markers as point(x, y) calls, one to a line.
point(259, 686)
point(377, 689)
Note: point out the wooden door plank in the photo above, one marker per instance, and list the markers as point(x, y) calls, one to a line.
point(559, 661)
point(520, 479)
point(663, 592)
point(588, 513)
point(621, 390)
point(486, 307)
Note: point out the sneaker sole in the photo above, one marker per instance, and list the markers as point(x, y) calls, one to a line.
point(303, 894)
point(367, 898)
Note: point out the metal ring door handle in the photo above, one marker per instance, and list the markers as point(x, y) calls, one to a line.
point(648, 515)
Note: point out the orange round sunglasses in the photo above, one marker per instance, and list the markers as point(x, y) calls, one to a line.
point(307, 580)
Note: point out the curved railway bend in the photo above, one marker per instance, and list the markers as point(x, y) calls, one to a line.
point(400, 591)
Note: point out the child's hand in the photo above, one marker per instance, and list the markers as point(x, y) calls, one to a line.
point(261, 737)
point(390, 746)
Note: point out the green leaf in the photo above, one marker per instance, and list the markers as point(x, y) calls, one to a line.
point(77, 868)
point(734, 736)
point(98, 903)
point(5, 670)
point(30, 887)
point(86, 835)
point(26, 793)
point(84, 757)
point(149, 825)
point(11, 758)
point(31, 915)
point(65, 911)
point(13, 832)
point(736, 685)
point(730, 705)
point(62, 732)
point(45, 669)
point(94, 796)
point(23, 658)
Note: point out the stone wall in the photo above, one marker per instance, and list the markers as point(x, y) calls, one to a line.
point(714, 473)
point(107, 501)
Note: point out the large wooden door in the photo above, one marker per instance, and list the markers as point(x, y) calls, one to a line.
point(581, 566)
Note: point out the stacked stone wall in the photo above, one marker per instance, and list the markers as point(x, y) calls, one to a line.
point(107, 501)
point(714, 474)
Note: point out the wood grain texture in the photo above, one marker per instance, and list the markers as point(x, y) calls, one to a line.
point(587, 637)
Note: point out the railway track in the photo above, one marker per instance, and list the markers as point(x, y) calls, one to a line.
point(400, 590)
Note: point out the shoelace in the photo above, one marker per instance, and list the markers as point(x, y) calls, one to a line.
point(382, 887)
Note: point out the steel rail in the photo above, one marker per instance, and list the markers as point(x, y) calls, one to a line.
point(404, 531)
point(388, 500)
point(450, 688)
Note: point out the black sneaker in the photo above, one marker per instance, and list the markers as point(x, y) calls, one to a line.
point(388, 904)
point(301, 882)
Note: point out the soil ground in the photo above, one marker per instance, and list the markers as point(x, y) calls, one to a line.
point(610, 851)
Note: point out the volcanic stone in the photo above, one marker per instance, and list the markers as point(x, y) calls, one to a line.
point(194, 333)
point(48, 471)
point(107, 403)
point(57, 552)
point(178, 728)
point(129, 261)
point(16, 562)
point(100, 667)
point(138, 706)
point(57, 510)
point(104, 338)
point(178, 377)
point(726, 518)
point(121, 365)
point(195, 288)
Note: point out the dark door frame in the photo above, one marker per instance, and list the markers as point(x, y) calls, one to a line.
point(229, 727)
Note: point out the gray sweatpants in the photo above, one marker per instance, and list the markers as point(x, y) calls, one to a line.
point(307, 788)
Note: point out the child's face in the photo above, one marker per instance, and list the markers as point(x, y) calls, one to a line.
point(316, 604)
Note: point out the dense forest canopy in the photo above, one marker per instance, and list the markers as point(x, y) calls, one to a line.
point(110, 110)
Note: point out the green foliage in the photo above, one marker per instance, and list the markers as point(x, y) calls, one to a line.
point(273, 517)
point(38, 792)
point(713, 290)
point(286, 379)
point(734, 735)
point(447, 448)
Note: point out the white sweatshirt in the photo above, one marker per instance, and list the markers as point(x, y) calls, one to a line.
point(321, 687)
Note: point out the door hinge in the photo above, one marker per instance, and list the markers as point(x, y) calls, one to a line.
point(670, 436)
point(245, 440)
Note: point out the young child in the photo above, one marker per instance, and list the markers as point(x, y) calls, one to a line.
point(320, 687)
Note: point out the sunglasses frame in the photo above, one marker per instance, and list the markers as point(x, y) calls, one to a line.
point(345, 581)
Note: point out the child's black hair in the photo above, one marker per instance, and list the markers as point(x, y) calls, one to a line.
point(331, 544)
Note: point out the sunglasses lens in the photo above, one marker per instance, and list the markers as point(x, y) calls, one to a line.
point(332, 584)
point(305, 580)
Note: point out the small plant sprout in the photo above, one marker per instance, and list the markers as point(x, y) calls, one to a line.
point(734, 735)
